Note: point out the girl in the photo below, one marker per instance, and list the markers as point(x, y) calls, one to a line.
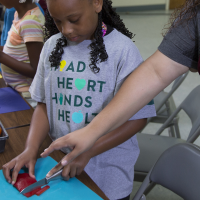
point(21, 52)
point(87, 57)
point(178, 53)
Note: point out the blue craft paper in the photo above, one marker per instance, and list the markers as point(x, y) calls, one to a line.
point(59, 189)
point(11, 101)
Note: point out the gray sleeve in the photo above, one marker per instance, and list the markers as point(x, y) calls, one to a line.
point(130, 61)
point(37, 88)
point(181, 43)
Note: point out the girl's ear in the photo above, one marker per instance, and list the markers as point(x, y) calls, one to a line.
point(98, 4)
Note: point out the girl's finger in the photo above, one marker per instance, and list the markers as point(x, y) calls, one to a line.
point(72, 171)
point(65, 173)
point(66, 178)
point(6, 171)
point(31, 168)
point(15, 173)
point(79, 171)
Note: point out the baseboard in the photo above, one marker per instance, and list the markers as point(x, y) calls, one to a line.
point(141, 8)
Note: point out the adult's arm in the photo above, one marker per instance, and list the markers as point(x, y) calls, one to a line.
point(150, 78)
point(103, 144)
point(142, 85)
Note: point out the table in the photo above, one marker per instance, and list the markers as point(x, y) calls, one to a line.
point(15, 145)
point(18, 118)
point(17, 138)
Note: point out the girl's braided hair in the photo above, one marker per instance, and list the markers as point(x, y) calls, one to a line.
point(182, 14)
point(98, 52)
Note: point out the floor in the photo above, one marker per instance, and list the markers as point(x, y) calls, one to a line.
point(148, 27)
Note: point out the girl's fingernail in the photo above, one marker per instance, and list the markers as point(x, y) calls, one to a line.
point(45, 149)
point(13, 182)
point(48, 175)
point(64, 162)
point(9, 181)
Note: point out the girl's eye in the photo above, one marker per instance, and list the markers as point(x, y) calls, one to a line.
point(74, 21)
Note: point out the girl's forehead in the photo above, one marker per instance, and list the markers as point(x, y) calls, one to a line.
point(67, 5)
point(63, 8)
point(70, 2)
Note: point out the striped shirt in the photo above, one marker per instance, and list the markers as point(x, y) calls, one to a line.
point(26, 29)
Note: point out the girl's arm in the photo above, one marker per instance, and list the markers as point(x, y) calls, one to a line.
point(26, 69)
point(142, 85)
point(37, 133)
point(106, 142)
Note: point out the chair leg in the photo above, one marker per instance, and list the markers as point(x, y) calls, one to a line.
point(171, 131)
point(176, 127)
point(167, 104)
point(149, 188)
point(143, 197)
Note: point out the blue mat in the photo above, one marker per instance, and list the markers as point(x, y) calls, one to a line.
point(11, 101)
point(59, 189)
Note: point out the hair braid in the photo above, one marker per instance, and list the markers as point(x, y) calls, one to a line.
point(110, 17)
point(98, 52)
point(51, 29)
point(56, 55)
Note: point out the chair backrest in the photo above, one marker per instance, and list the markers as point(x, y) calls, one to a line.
point(179, 80)
point(191, 105)
point(174, 87)
point(178, 169)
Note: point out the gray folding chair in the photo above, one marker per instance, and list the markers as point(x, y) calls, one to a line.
point(178, 169)
point(165, 106)
point(152, 146)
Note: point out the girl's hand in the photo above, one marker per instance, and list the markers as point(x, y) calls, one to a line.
point(72, 169)
point(78, 141)
point(26, 158)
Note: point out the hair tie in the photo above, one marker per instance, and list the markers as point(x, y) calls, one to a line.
point(104, 29)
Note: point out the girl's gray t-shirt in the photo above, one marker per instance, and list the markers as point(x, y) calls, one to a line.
point(74, 95)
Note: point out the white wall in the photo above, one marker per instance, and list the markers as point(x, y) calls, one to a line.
point(117, 3)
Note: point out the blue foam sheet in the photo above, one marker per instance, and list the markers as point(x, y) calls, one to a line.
point(59, 189)
point(11, 101)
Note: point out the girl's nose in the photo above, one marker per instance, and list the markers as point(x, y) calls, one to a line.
point(67, 29)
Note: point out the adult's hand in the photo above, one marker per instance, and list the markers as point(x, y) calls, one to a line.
point(72, 169)
point(78, 141)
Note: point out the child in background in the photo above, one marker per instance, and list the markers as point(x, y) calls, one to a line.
point(8, 18)
point(84, 62)
point(24, 43)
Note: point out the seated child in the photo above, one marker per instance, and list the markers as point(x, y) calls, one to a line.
point(21, 51)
